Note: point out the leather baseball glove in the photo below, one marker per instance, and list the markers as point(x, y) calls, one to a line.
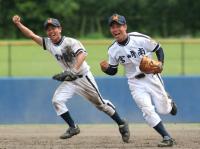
point(148, 65)
point(66, 76)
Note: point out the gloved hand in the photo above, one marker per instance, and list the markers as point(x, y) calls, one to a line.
point(66, 76)
point(148, 65)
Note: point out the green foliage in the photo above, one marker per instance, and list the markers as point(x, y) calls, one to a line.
point(94, 36)
point(81, 18)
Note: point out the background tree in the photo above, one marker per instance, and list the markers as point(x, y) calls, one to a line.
point(80, 18)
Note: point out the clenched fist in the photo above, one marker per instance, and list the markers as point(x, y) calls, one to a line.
point(16, 19)
point(104, 65)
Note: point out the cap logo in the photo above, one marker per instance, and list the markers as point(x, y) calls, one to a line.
point(115, 18)
point(49, 21)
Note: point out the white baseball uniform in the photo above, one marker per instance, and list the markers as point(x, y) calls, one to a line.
point(148, 88)
point(84, 86)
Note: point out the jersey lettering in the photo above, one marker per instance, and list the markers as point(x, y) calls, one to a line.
point(58, 57)
point(133, 54)
point(122, 59)
point(141, 51)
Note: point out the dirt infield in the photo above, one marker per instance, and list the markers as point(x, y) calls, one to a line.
point(94, 136)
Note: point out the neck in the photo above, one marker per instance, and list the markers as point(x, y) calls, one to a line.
point(58, 41)
point(124, 41)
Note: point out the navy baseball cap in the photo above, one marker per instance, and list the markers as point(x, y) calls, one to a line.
point(117, 18)
point(51, 21)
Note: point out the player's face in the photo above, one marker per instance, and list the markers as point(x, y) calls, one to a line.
point(54, 33)
point(118, 31)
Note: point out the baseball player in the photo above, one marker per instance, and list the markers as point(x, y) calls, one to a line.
point(76, 76)
point(128, 49)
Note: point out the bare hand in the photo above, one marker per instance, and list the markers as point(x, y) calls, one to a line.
point(16, 19)
point(104, 65)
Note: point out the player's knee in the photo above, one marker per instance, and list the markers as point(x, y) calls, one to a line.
point(55, 104)
point(54, 100)
point(148, 112)
point(162, 110)
point(165, 109)
point(150, 116)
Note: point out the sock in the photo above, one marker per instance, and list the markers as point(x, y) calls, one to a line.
point(68, 119)
point(117, 119)
point(161, 130)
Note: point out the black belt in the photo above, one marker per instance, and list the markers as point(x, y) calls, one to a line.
point(139, 76)
point(79, 76)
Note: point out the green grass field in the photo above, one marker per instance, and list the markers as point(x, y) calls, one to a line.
point(29, 59)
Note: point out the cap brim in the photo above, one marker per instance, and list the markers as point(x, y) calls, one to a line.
point(117, 22)
point(55, 25)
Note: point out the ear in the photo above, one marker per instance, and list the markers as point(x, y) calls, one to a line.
point(125, 26)
point(60, 29)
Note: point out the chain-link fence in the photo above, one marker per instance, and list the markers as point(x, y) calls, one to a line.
point(25, 58)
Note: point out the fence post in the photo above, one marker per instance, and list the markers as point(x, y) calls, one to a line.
point(9, 60)
point(183, 58)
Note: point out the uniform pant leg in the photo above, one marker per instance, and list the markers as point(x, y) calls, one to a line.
point(88, 88)
point(64, 92)
point(159, 96)
point(143, 100)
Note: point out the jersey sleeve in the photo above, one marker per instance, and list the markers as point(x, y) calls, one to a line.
point(145, 41)
point(150, 45)
point(77, 47)
point(46, 43)
point(112, 61)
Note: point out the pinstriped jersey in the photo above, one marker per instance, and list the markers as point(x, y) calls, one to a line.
point(69, 48)
point(129, 54)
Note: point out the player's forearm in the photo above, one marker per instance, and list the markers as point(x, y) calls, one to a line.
point(160, 55)
point(111, 70)
point(79, 60)
point(107, 68)
point(26, 31)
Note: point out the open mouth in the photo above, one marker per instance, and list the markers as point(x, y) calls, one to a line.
point(52, 35)
point(116, 34)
